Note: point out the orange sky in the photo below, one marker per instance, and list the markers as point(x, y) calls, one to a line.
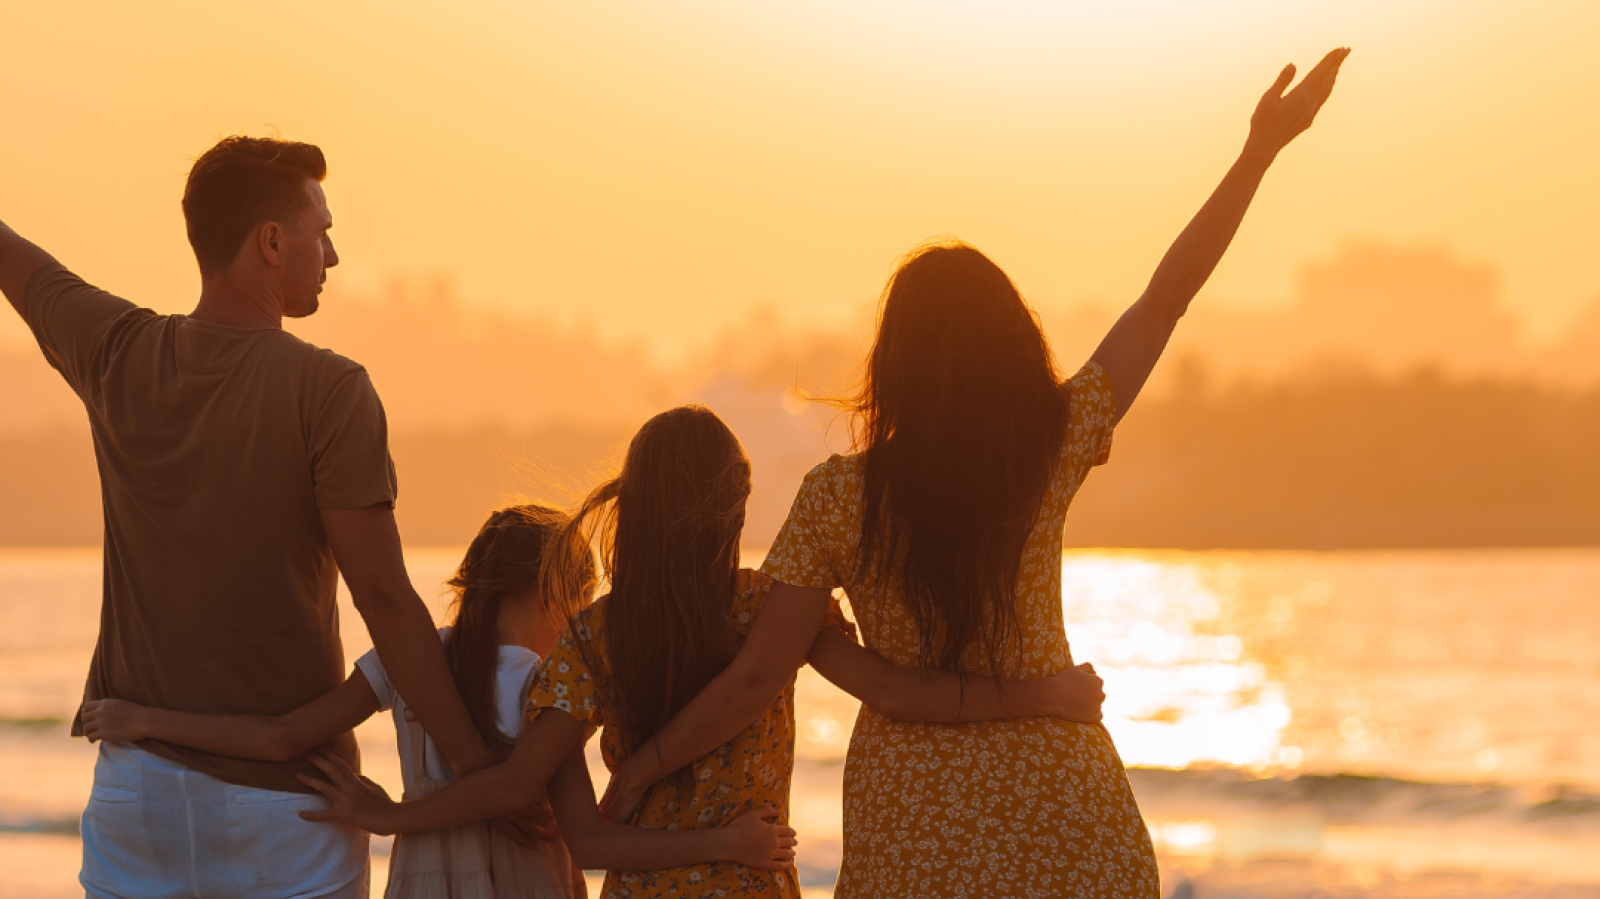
point(661, 169)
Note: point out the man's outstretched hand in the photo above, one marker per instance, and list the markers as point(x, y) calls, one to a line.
point(1280, 117)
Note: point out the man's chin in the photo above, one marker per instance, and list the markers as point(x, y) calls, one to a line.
point(309, 309)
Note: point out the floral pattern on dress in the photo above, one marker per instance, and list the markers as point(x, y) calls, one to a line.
point(1031, 807)
point(749, 771)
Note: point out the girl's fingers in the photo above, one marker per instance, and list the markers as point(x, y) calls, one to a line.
point(326, 815)
point(334, 767)
point(342, 767)
point(329, 790)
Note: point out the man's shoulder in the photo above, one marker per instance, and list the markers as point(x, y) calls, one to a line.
point(322, 370)
point(319, 359)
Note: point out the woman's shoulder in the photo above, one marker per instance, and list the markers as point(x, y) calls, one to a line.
point(1091, 416)
point(1089, 392)
point(750, 591)
point(590, 622)
point(839, 473)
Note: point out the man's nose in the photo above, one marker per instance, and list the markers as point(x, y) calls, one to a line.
point(330, 257)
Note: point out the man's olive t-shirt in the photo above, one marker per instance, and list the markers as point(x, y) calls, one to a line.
point(217, 449)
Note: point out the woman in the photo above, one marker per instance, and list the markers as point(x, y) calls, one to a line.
point(945, 530)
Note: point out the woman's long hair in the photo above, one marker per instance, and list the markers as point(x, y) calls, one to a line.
point(668, 527)
point(960, 417)
point(504, 561)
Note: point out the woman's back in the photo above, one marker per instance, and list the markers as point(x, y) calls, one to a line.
point(995, 808)
point(823, 530)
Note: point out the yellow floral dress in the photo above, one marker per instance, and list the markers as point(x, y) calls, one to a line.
point(1030, 807)
point(749, 771)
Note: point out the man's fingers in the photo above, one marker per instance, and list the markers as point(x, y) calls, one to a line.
point(325, 815)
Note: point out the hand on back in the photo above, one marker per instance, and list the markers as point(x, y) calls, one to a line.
point(1079, 694)
point(623, 796)
point(531, 826)
point(352, 799)
point(757, 840)
point(1280, 117)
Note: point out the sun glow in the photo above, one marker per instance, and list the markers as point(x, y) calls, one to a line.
point(1177, 691)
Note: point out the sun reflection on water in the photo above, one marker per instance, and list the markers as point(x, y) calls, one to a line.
point(1180, 689)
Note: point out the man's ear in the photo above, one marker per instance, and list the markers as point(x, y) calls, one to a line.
point(269, 240)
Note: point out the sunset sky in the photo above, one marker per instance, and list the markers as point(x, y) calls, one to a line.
point(660, 169)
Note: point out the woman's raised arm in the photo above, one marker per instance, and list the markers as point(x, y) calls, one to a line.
point(1130, 350)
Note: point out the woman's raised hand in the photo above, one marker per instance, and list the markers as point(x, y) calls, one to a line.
point(116, 720)
point(755, 839)
point(1280, 117)
point(352, 799)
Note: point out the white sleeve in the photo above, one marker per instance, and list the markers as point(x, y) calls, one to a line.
point(372, 667)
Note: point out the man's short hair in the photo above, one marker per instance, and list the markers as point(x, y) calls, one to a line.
point(240, 183)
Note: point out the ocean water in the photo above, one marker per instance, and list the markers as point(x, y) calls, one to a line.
point(1406, 724)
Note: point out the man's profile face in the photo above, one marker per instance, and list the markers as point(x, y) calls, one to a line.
point(308, 254)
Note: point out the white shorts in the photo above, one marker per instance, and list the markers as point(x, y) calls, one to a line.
point(154, 829)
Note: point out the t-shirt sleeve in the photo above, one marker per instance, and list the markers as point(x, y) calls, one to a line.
point(70, 320)
point(350, 463)
point(378, 678)
point(801, 556)
point(1094, 410)
point(566, 683)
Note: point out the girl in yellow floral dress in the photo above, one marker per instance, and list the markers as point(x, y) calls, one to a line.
point(678, 610)
point(945, 531)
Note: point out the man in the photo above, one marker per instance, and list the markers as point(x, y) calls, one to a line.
point(241, 469)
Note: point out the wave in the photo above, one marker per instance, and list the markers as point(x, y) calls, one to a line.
point(33, 724)
point(1352, 797)
point(60, 826)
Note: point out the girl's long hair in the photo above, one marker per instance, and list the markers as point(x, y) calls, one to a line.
point(960, 418)
point(504, 561)
point(668, 527)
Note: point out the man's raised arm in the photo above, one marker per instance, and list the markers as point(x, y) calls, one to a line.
point(366, 544)
point(19, 259)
